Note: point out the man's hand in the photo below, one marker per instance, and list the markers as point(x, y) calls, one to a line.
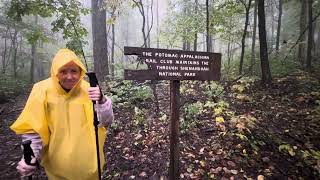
point(26, 170)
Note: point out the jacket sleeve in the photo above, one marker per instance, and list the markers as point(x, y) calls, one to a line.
point(105, 112)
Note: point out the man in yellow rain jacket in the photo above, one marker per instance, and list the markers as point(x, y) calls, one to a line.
point(58, 119)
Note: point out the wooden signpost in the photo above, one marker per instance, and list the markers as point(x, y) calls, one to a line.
point(174, 65)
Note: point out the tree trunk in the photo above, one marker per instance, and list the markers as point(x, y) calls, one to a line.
point(158, 44)
point(33, 55)
point(112, 50)
point(265, 69)
point(253, 46)
point(243, 40)
point(310, 37)
point(207, 25)
point(272, 26)
point(303, 22)
point(126, 35)
point(195, 43)
point(15, 49)
point(229, 56)
point(318, 41)
point(99, 35)
point(279, 26)
point(4, 55)
point(148, 25)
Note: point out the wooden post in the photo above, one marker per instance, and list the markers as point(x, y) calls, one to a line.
point(174, 130)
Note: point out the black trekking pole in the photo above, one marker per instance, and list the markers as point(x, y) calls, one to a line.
point(28, 154)
point(93, 83)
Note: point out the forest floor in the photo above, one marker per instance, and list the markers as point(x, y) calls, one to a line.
point(236, 130)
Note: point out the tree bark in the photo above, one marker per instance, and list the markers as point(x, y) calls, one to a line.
point(158, 44)
point(4, 55)
point(243, 40)
point(207, 26)
point(279, 26)
point(253, 46)
point(195, 42)
point(112, 49)
point(303, 20)
point(265, 69)
point(141, 9)
point(100, 42)
point(272, 26)
point(33, 55)
point(310, 37)
point(15, 49)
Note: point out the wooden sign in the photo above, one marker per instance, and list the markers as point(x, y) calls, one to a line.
point(174, 65)
point(164, 64)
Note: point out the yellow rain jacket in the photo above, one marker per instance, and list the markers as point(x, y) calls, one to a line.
point(64, 121)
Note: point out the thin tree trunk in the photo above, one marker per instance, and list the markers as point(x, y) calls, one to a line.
point(207, 25)
point(253, 46)
point(303, 19)
point(318, 41)
point(272, 26)
point(33, 59)
point(112, 50)
point(243, 40)
point(33, 55)
point(4, 55)
point(148, 25)
point(14, 58)
point(265, 69)
point(229, 57)
point(158, 44)
point(195, 43)
point(279, 26)
point(310, 37)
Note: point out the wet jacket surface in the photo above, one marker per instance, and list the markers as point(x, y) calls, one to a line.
point(64, 121)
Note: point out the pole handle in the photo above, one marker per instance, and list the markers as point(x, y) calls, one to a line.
point(28, 154)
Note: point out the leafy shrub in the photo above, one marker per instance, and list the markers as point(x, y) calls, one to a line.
point(10, 87)
point(130, 93)
point(214, 90)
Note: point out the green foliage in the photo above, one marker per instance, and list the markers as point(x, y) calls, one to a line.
point(9, 87)
point(130, 93)
point(191, 113)
point(287, 148)
point(193, 110)
point(214, 90)
point(280, 68)
point(139, 117)
point(67, 15)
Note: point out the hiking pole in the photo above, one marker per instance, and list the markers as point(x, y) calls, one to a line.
point(93, 83)
point(27, 154)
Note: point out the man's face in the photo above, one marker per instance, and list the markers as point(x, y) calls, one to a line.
point(69, 75)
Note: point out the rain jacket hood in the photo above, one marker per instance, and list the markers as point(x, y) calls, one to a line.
point(64, 121)
point(63, 57)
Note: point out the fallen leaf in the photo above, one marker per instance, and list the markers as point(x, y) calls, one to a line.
point(232, 164)
point(202, 163)
point(189, 170)
point(233, 171)
point(143, 174)
point(219, 119)
point(201, 150)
